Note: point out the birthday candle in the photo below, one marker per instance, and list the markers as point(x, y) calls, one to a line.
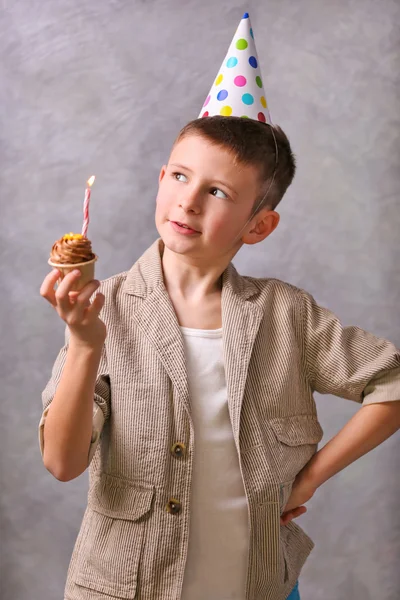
point(86, 205)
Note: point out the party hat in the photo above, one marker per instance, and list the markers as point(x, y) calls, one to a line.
point(238, 89)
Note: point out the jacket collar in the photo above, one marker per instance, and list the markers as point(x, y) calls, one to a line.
point(146, 275)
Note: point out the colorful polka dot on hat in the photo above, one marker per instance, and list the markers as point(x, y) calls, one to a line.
point(238, 89)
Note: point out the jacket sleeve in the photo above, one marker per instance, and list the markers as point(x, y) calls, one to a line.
point(102, 397)
point(347, 361)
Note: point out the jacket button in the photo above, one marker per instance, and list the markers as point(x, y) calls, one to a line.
point(174, 507)
point(178, 450)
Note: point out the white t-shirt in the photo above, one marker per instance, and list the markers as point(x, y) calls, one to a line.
point(217, 559)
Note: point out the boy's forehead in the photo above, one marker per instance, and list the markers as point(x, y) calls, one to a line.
point(196, 151)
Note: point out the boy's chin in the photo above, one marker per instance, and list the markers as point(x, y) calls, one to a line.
point(192, 249)
point(178, 246)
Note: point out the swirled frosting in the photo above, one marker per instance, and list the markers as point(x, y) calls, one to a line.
point(72, 248)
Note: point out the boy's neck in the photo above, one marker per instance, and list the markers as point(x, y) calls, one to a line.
point(194, 290)
point(189, 278)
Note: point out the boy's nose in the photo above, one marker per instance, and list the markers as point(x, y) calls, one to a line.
point(191, 202)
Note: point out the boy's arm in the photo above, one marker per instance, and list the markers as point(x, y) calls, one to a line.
point(356, 365)
point(368, 428)
point(76, 404)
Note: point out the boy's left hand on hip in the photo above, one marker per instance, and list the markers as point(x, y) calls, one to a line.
point(302, 491)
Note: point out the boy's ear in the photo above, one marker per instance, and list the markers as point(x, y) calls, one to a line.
point(162, 173)
point(263, 225)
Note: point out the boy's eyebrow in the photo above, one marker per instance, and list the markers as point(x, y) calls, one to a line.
point(181, 167)
point(216, 180)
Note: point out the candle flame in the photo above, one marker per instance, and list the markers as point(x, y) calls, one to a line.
point(91, 181)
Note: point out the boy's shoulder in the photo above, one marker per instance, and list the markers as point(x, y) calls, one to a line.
point(272, 283)
point(277, 298)
point(114, 281)
point(272, 288)
point(140, 279)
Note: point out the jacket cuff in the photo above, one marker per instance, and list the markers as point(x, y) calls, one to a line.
point(385, 387)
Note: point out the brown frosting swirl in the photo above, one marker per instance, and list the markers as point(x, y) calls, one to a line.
point(72, 248)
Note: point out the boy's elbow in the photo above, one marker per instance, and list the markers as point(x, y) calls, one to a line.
point(61, 472)
point(62, 476)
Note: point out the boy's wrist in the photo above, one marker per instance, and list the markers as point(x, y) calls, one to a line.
point(309, 476)
point(79, 345)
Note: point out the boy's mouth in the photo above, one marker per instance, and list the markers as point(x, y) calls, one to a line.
point(183, 227)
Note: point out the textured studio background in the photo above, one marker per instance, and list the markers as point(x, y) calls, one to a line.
point(103, 87)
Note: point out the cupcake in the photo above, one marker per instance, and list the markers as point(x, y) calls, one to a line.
point(74, 251)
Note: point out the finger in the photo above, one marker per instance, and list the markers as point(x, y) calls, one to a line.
point(96, 305)
point(73, 296)
point(297, 512)
point(78, 310)
point(63, 290)
point(293, 514)
point(300, 510)
point(47, 290)
point(83, 298)
point(80, 301)
point(286, 518)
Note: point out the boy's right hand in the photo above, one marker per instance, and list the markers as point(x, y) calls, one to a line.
point(81, 316)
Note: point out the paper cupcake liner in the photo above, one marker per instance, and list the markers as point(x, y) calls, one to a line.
point(86, 269)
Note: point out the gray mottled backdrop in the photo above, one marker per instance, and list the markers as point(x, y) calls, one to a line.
point(103, 87)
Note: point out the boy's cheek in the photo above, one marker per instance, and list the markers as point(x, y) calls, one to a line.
point(161, 206)
point(223, 231)
point(221, 224)
point(164, 200)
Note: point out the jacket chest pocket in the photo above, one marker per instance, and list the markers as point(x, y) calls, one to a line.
point(294, 442)
point(109, 559)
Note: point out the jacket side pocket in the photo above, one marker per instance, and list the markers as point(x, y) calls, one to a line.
point(110, 556)
point(294, 443)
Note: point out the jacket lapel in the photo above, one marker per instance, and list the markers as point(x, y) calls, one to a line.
point(240, 322)
point(156, 318)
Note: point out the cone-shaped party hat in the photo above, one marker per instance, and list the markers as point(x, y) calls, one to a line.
point(238, 89)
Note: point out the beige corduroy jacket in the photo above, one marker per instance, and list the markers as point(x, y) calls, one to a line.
point(279, 347)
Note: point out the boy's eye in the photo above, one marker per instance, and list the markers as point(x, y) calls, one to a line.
point(178, 176)
point(214, 193)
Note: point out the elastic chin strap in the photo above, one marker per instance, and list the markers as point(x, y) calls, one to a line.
point(267, 192)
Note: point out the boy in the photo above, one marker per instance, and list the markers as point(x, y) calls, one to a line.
point(203, 384)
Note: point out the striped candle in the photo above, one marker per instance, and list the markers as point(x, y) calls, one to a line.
point(86, 205)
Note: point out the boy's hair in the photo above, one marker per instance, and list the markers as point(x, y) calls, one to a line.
point(251, 143)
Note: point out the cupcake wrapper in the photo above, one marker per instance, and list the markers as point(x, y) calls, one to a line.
point(86, 269)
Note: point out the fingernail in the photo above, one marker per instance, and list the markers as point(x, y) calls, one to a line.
point(76, 272)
